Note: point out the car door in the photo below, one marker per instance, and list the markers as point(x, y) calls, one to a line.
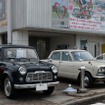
point(66, 65)
point(78, 62)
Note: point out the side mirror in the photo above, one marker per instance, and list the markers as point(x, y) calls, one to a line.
point(49, 60)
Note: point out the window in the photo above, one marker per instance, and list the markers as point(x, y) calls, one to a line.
point(82, 56)
point(66, 56)
point(55, 56)
point(19, 53)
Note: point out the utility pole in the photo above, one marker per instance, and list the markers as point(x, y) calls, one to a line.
point(9, 35)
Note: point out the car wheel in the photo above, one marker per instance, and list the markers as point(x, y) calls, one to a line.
point(8, 88)
point(88, 80)
point(49, 91)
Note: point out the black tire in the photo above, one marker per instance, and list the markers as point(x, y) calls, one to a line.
point(88, 80)
point(49, 91)
point(8, 88)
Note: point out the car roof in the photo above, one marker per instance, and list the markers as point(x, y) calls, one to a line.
point(13, 45)
point(70, 50)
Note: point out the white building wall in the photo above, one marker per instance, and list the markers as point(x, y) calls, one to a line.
point(19, 14)
point(55, 41)
point(39, 13)
point(91, 41)
point(31, 13)
point(20, 37)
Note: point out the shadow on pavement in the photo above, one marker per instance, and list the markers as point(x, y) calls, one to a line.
point(75, 84)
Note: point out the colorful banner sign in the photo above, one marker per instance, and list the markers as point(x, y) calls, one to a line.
point(87, 15)
point(84, 15)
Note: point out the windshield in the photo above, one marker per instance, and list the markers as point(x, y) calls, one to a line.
point(20, 53)
point(82, 56)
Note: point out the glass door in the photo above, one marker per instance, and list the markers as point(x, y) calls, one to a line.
point(41, 48)
point(83, 44)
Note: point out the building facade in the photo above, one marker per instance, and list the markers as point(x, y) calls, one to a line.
point(55, 24)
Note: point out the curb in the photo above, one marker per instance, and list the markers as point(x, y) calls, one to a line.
point(86, 100)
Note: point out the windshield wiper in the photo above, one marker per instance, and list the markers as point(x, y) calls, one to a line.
point(33, 59)
point(10, 58)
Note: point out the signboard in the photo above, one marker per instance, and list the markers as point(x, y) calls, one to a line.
point(83, 15)
point(2, 9)
point(88, 15)
point(60, 13)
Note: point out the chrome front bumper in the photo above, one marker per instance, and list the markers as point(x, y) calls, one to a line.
point(30, 86)
point(99, 77)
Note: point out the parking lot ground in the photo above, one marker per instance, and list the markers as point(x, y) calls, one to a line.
point(57, 98)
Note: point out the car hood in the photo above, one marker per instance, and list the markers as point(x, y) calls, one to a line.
point(97, 63)
point(35, 65)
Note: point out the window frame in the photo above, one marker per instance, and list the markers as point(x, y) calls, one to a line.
point(69, 59)
point(55, 59)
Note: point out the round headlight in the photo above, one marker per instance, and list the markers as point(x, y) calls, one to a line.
point(22, 70)
point(99, 70)
point(54, 69)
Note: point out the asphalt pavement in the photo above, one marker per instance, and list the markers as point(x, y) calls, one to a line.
point(59, 96)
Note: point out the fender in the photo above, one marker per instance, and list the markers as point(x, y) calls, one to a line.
point(6, 73)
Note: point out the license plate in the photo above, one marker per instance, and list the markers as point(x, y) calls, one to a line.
point(41, 86)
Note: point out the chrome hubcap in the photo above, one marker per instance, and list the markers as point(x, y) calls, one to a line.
point(7, 87)
point(86, 81)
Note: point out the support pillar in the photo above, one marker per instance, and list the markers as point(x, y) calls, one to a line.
point(20, 37)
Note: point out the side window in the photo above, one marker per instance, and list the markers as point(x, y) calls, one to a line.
point(55, 56)
point(66, 56)
point(100, 57)
point(76, 56)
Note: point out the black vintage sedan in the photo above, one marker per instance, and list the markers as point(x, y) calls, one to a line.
point(20, 68)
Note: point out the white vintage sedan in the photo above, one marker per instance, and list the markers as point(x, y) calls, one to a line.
point(70, 61)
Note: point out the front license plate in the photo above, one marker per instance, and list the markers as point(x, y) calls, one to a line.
point(41, 86)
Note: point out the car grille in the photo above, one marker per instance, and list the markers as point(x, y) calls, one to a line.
point(39, 76)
